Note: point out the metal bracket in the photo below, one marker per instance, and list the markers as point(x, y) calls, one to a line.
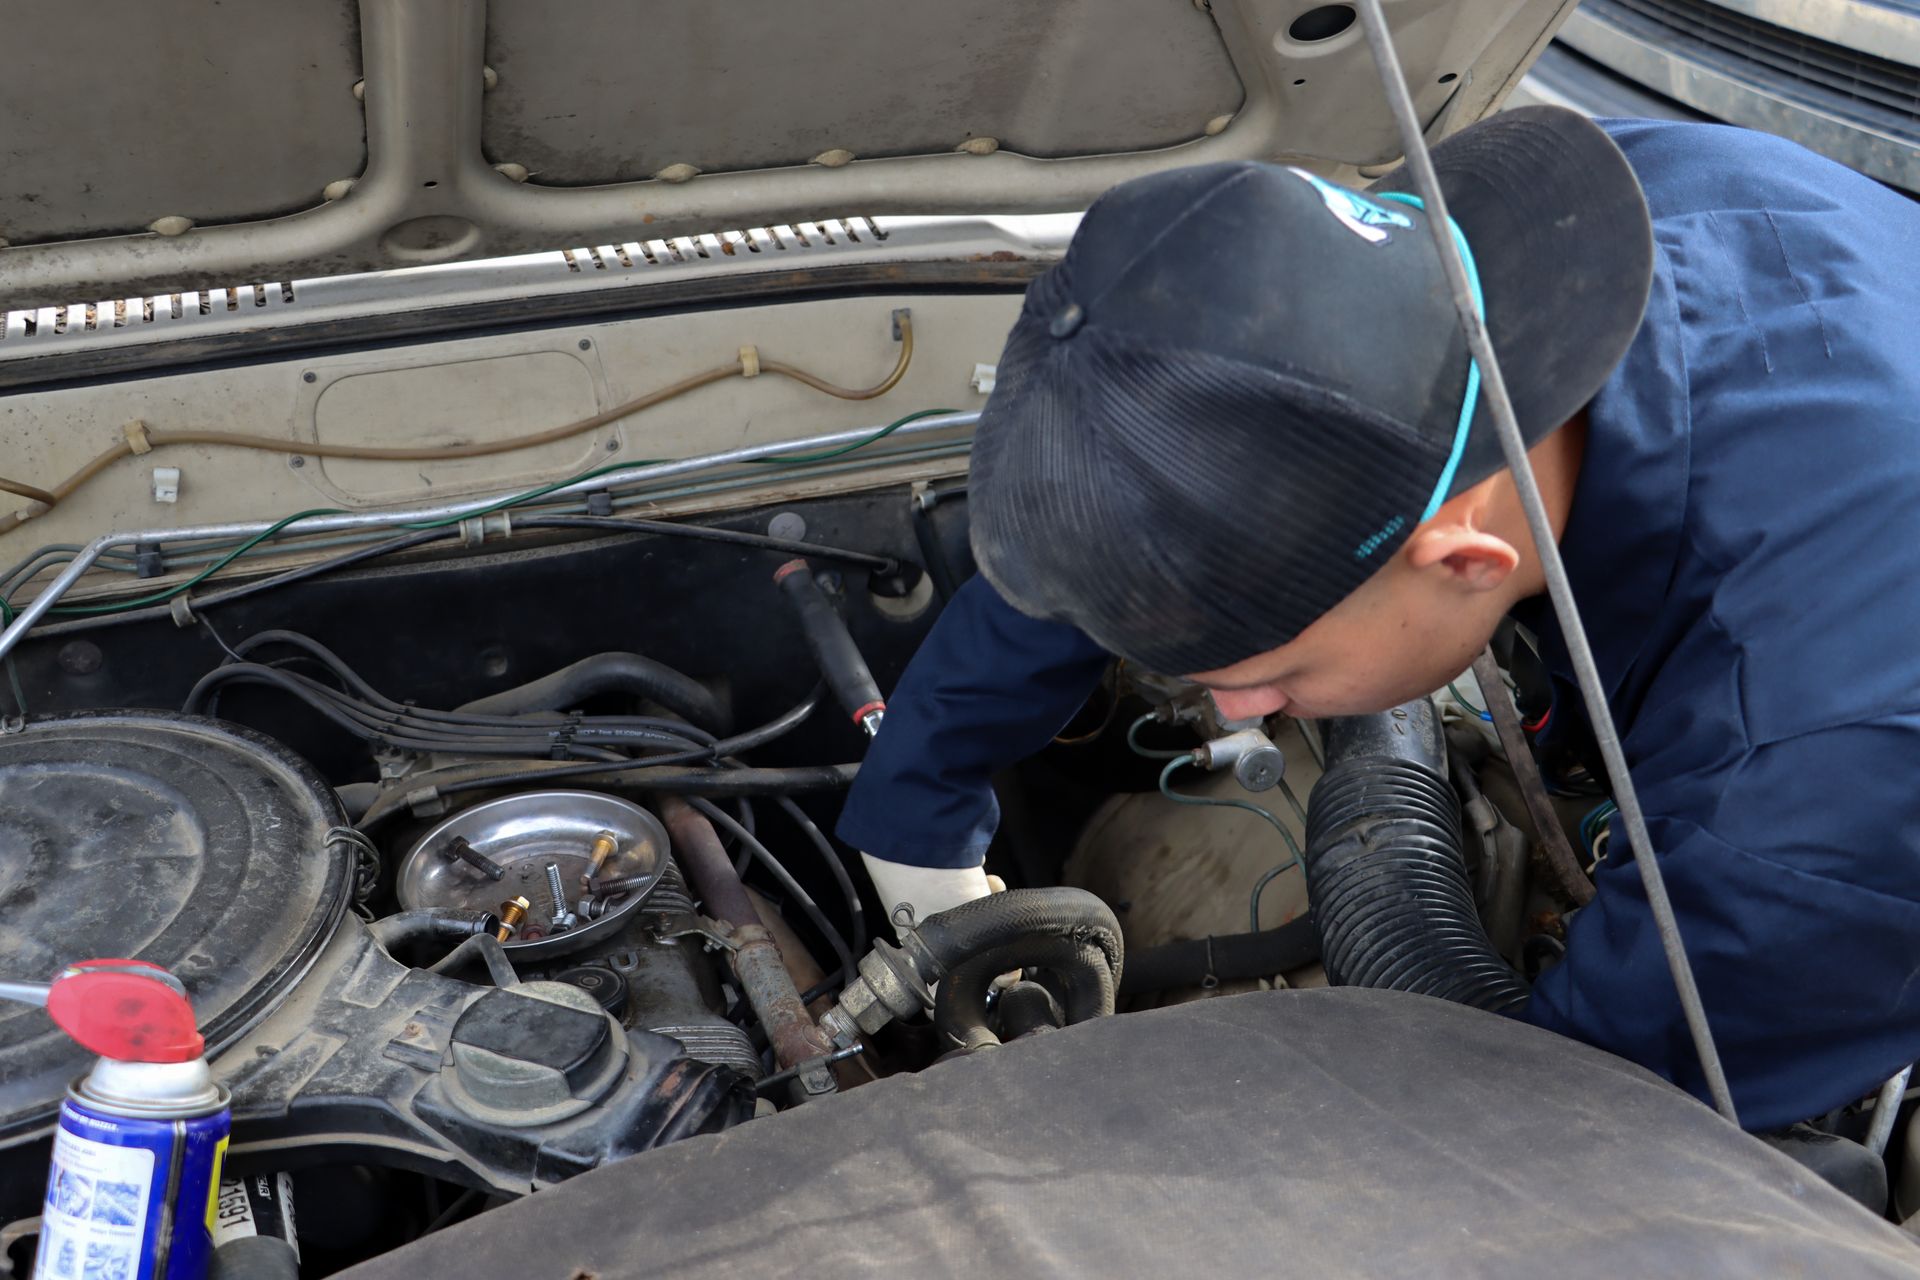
point(717, 936)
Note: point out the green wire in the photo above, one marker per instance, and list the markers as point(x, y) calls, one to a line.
point(1150, 753)
point(789, 459)
point(1293, 801)
point(1299, 860)
point(13, 676)
point(160, 597)
point(1460, 697)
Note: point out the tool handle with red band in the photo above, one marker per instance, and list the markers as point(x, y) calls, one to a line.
point(831, 643)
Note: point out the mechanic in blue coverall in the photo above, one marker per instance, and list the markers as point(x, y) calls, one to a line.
point(1236, 437)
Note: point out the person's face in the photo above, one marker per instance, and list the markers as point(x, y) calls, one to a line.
point(1406, 631)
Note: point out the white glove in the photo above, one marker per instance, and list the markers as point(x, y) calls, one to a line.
point(928, 890)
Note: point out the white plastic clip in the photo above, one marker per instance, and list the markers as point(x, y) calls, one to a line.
point(166, 484)
point(984, 377)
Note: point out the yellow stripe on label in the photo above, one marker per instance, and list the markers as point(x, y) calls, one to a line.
point(213, 1183)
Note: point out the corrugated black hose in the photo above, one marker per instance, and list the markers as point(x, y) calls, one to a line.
point(1385, 870)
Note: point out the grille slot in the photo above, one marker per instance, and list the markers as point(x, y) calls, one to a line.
point(1869, 89)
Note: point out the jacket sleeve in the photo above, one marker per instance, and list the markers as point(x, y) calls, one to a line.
point(989, 687)
point(1795, 875)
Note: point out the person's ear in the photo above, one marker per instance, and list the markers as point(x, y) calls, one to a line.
point(1469, 558)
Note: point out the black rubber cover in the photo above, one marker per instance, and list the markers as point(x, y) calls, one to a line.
point(192, 843)
point(1327, 1134)
point(1385, 871)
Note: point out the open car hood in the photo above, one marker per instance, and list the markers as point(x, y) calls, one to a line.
point(147, 147)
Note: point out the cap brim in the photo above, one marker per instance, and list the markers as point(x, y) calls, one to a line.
point(1564, 247)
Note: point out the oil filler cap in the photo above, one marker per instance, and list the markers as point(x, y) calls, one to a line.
point(533, 1054)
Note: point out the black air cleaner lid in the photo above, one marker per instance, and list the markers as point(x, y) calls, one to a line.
point(192, 843)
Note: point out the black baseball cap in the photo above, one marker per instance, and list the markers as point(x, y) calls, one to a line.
point(1243, 386)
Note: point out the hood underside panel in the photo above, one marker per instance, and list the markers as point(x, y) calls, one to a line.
point(155, 147)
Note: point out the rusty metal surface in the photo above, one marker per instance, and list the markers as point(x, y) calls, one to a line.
point(755, 958)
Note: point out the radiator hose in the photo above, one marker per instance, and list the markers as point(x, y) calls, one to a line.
point(1385, 871)
point(1068, 933)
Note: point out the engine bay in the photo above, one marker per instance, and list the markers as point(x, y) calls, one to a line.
point(459, 927)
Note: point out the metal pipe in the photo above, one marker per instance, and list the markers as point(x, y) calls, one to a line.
point(1493, 386)
point(37, 608)
point(1533, 789)
point(755, 957)
point(1886, 1108)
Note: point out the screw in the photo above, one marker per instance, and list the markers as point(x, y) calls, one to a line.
point(512, 912)
point(296, 462)
point(562, 918)
point(607, 887)
point(309, 376)
point(457, 849)
point(604, 845)
point(585, 345)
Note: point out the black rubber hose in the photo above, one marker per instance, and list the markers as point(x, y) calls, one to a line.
point(684, 781)
point(831, 643)
point(1228, 957)
point(1081, 967)
point(609, 673)
point(1027, 1007)
point(1385, 870)
point(987, 924)
point(430, 924)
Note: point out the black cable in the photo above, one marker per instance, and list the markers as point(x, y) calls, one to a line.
point(856, 913)
point(821, 988)
point(706, 533)
point(419, 538)
point(229, 594)
point(372, 724)
point(678, 729)
point(752, 738)
point(803, 899)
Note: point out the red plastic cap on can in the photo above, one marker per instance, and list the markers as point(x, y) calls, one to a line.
point(111, 1008)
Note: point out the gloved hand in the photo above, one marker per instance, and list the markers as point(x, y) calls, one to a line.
point(928, 890)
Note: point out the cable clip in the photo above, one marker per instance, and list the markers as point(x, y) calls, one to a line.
point(749, 362)
point(561, 748)
point(136, 433)
point(181, 608)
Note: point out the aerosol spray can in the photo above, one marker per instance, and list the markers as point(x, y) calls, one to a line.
point(135, 1178)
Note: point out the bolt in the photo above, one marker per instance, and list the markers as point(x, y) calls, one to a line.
point(457, 849)
point(512, 912)
point(562, 918)
point(309, 376)
point(604, 845)
point(585, 345)
point(788, 525)
point(296, 462)
point(607, 887)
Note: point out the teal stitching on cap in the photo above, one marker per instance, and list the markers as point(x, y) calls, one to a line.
point(1472, 397)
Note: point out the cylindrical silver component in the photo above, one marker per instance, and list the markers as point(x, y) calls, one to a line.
point(1255, 761)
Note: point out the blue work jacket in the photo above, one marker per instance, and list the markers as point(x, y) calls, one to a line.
point(1744, 545)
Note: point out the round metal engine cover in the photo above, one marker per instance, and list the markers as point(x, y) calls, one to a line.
point(195, 844)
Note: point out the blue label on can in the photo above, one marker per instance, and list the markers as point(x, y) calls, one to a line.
point(130, 1198)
